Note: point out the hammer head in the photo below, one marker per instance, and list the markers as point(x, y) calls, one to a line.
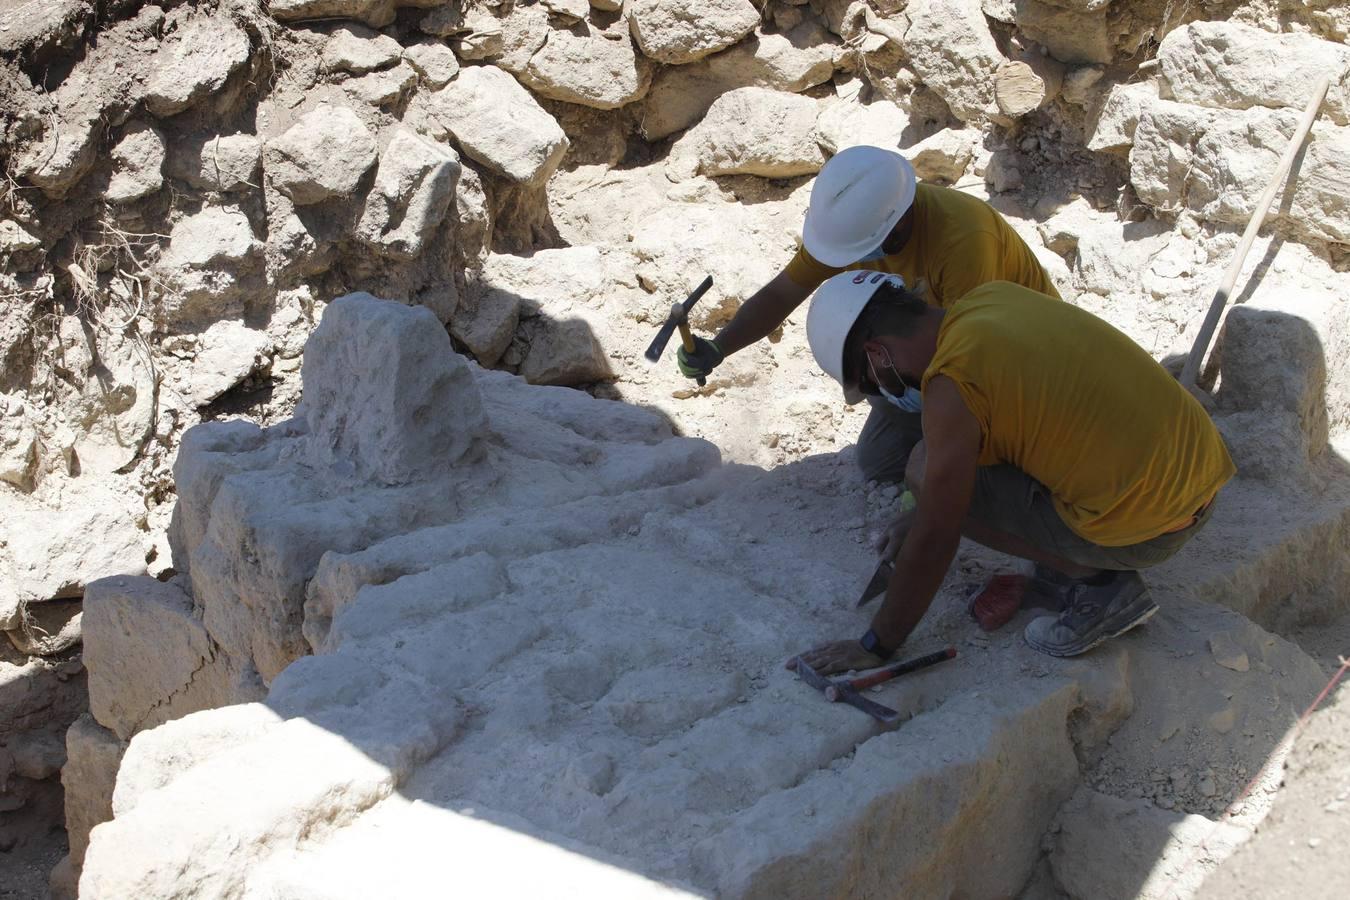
point(843, 692)
point(679, 315)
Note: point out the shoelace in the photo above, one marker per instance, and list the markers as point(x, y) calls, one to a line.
point(1082, 607)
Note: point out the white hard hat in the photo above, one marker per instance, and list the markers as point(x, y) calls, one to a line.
point(858, 197)
point(834, 309)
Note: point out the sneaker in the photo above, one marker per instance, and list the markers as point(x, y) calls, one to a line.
point(1048, 589)
point(1092, 614)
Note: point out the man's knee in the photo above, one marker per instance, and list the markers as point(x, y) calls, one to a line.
point(885, 443)
point(880, 462)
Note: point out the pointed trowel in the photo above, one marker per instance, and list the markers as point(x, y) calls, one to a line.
point(877, 586)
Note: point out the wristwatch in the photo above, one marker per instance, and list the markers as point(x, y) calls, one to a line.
point(872, 644)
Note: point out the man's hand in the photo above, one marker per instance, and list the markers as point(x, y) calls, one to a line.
point(702, 361)
point(838, 656)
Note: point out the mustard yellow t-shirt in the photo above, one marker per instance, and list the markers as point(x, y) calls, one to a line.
point(959, 242)
point(1126, 452)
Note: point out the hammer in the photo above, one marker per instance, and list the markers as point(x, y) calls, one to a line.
point(848, 690)
point(679, 317)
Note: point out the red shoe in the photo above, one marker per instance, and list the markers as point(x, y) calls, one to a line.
point(998, 602)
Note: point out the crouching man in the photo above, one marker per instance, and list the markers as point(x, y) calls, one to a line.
point(1047, 434)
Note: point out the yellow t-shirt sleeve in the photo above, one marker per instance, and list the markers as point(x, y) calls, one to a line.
point(807, 271)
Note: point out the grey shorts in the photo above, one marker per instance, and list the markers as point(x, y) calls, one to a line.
point(1011, 501)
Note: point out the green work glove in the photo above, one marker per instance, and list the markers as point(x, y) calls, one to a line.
point(703, 360)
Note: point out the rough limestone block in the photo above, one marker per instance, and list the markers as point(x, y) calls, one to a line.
point(413, 188)
point(219, 163)
point(358, 50)
point(1162, 153)
point(149, 656)
point(496, 123)
point(93, 754)
point(163, 754)
point(843, 124)
point(323, 155)
point(225, 355)
point(211, 259)
point(1077, 31)
point(751, 131)
point(385, 394)
point(945, 156)
point(138, 162)
point(49, 547)
point(1117, 849)
point(793, 62)
point(586, 65)
point(382, 88)
point(1235, 158)
point(434, 61)
point(1111, 127)
point(952, 51)
point(195, 63)
point(675, 32)
point(1232, 66)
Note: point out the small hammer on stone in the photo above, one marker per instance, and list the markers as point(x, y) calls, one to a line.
point(678, 318)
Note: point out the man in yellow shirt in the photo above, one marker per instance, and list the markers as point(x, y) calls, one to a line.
point(867, 212)
point(1047, 434)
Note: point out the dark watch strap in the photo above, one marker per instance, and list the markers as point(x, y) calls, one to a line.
point(872, 644)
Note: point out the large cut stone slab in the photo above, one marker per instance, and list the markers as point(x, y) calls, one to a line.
point(149, 656)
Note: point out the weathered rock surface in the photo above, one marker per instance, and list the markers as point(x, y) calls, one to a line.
point(149, 657)
point(795, 61)
point(358, 50)
point(417, 413)
point(751, 131)
point(194, 63)
point(497, 123)
point(139, 162)
point(587, 65)
point(323, 155)
point(944, 157)
point(951, 49)
point(434, 61)
point(414, 185)
point(211, 258)
point(842, 124)
point(90, 773)
point(226, 163)
point(1227, 65)
point(673, 32)
point(224, 355)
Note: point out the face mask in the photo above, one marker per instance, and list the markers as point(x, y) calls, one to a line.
point(911, 401)
point(878, 253)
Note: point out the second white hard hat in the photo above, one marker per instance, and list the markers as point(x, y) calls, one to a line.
point(834, 308)
point(858, 197)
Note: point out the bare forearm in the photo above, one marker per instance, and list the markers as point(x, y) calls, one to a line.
point(758, 316)
point(920, 568)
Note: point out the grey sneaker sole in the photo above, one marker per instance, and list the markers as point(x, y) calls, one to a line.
point(1137, 613)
